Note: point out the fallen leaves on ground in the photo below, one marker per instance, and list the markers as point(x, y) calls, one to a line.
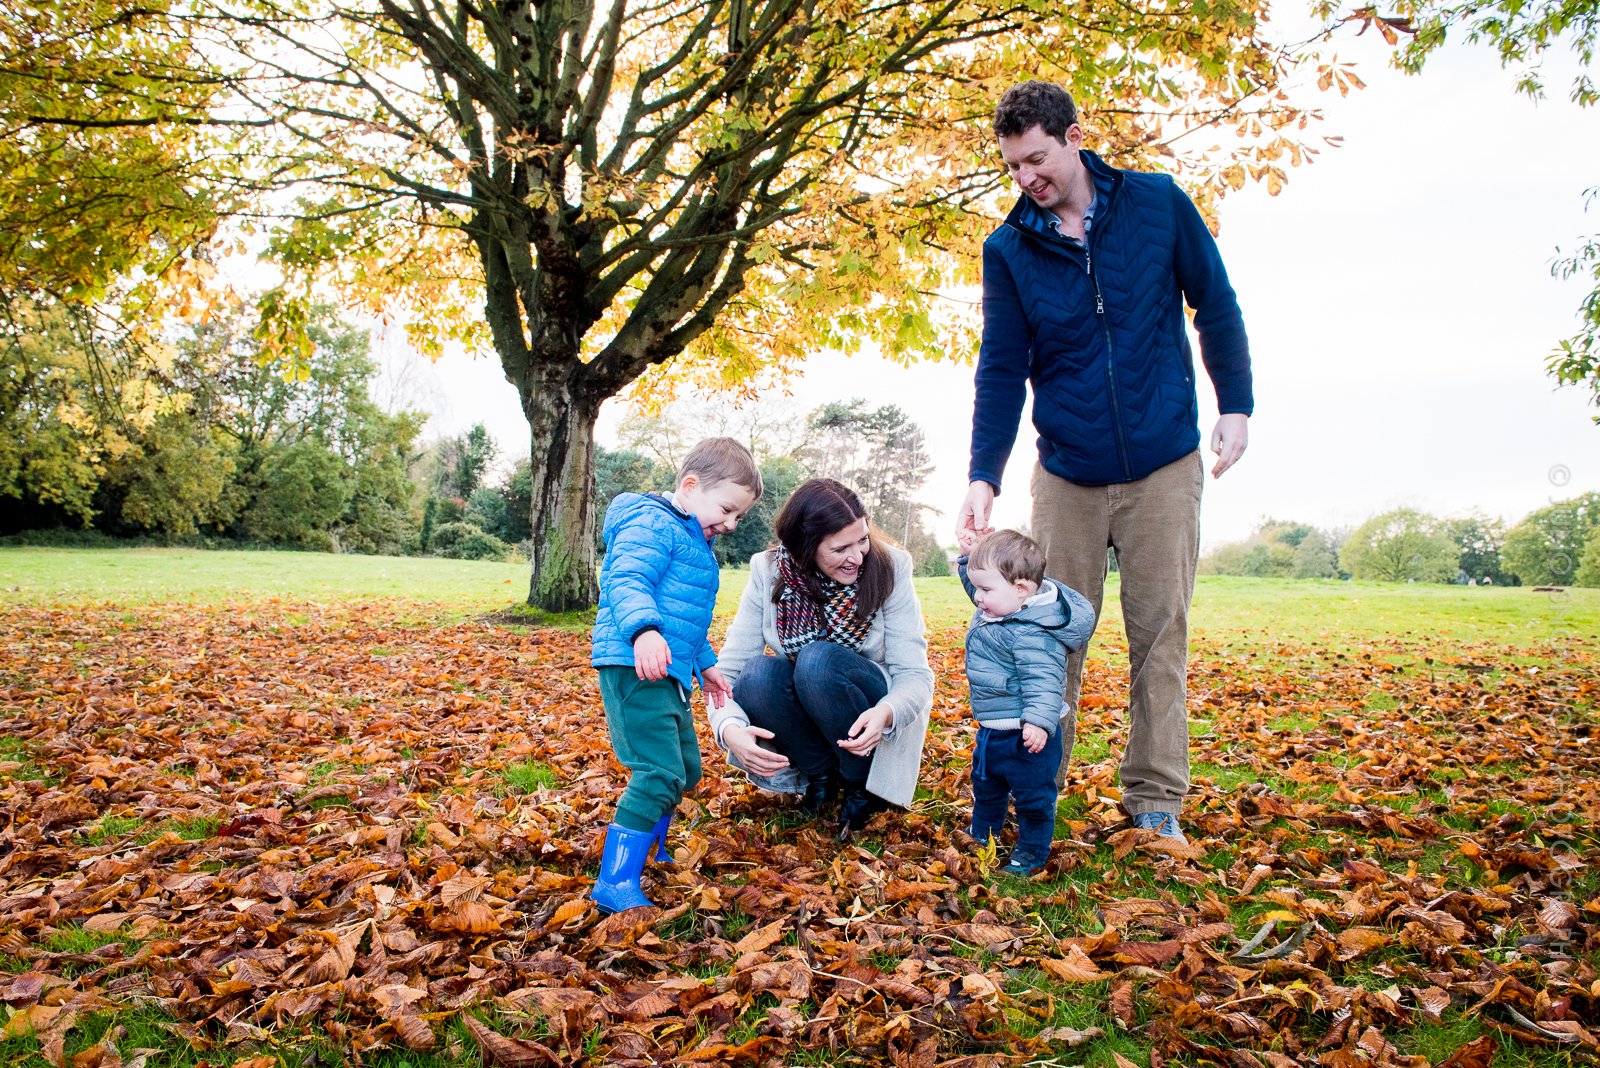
point(294, 820)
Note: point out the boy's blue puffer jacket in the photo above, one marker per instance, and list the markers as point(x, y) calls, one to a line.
point(1100, 332)
point(1017, 666)
point(660, 572)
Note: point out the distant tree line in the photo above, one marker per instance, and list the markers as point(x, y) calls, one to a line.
point(1557, 545)
point(194, 434)
point(199, 436)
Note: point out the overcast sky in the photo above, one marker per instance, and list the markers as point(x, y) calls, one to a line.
point(1400, 306)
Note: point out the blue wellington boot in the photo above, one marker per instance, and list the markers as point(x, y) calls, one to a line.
point(663, 855)
point(617, 887)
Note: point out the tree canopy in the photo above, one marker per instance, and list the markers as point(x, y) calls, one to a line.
point(593, 191)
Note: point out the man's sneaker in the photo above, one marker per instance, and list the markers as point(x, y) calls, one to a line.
point(1022, 864)
point(1165, 823)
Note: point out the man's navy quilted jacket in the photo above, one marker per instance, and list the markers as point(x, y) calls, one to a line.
point(1100, 332)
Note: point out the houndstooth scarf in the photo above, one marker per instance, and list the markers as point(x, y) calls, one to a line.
point(802, 620)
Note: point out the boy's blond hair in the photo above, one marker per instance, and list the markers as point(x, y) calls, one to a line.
point(722, 460)
point(1016, 556)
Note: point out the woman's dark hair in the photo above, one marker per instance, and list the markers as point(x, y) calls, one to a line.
point(818, 509)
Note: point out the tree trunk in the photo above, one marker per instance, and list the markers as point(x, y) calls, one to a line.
point(561, 421)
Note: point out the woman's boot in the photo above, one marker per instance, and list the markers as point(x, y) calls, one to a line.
point(856, 807)
point(820, 790)
point(617, 887)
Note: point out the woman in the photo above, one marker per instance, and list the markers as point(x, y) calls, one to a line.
point(840, 703)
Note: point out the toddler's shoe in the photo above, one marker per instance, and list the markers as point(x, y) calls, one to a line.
point(1022, 864)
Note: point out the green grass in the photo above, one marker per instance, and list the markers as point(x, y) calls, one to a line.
point(1254, 613)
point(15, 750)
point(528, 776)
point(111, 828)
point(134, 576)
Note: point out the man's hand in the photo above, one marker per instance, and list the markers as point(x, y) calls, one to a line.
point(651, 656)
point(1228, 441)
point(742, 743)
point(715, 687)
point(975, 510)
point(1034, 737)
point(867, 731)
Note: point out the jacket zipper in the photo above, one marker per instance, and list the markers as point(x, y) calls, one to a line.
point(1111, 359)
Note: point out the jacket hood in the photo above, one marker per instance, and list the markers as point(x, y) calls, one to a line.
point(1051, 617)
point(625, 506)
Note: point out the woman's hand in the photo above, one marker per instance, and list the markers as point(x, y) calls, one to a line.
point(741, 742)
point(867, 731)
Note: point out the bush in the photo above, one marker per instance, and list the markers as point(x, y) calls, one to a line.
point(1400, 546)
point(1589, 562)
point(1547, 546)
point(463, 541)
point(304, 490)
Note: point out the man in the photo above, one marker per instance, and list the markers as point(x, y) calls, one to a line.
point(1083, 293)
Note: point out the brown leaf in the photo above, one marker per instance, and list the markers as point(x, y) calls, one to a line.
point(1076, 967)
point(789, 979)
point(103, 1054)
point(759, 939)
point(1122, 1008)
point(1432, 1001)
point(1070, 1037)
point(751, 1052)
point(983, 935)
point(1364, 871)
point(648, 1006)
point(336, 962)
point(463, 886)
point(508, 1052)
point(1358, 941)
point(1556, 915)
point(900, 889)
point(1147, 952)
point(1479, 1053)
point(567, 911)
point(60, 811)
point(414, 1032)
point(468, 917)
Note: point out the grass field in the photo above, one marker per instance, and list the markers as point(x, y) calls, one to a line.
point(249, 799)
point(1232, 612)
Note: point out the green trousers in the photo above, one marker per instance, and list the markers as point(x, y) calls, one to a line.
point(652, 733)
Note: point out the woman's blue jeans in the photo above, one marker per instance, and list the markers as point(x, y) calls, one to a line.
point(810, 703)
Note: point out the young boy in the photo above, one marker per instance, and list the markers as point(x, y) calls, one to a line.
point(1017, 646)
point(657, 588)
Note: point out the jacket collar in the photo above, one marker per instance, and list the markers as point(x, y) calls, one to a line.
point(1107, 183)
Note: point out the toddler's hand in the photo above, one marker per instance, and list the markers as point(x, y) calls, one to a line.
point(715, 687)
point(1034, 737)
point(966, 540)
point(651, 656)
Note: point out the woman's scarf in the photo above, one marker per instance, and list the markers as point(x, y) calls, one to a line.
point(802, 620)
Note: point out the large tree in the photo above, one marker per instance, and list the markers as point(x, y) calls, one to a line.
point(1403, 545)
point(617, 185)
